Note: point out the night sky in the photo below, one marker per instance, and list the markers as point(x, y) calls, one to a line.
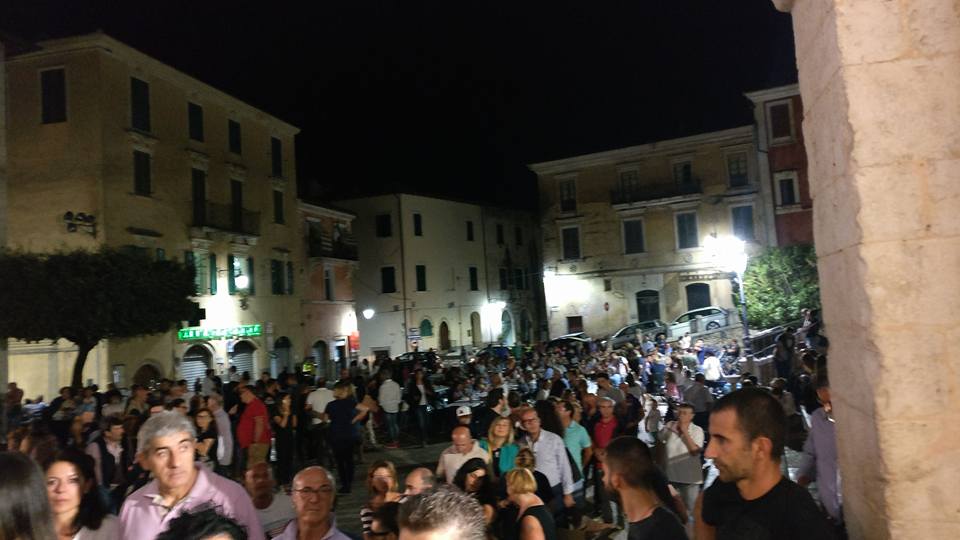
point(454, 98)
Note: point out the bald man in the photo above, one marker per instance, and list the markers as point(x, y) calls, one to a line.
point(419, 480)
point(462, 449)
point(313, 495)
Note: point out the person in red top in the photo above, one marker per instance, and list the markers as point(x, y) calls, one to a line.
point(606, 428)
point(253, 431)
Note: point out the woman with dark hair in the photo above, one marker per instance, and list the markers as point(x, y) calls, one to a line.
point(284, 424)
point(419, 394)
point(78, 509)
point(203, 524)
point(206, 453)
point(473, 479)
point(344, 415)
point(24, 509)
point(549, 420)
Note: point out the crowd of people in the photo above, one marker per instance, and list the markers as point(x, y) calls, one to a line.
point(581, 438)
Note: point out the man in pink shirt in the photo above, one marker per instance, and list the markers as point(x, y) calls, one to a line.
point(166, 447)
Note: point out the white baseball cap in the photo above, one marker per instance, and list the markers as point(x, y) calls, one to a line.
point(463, 410)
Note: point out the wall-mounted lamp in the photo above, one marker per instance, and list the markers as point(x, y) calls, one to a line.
point(368, 313)
point(80, 220)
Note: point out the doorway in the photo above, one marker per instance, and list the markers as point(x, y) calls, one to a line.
point(476, 331)
point(648, 305)
point(444, 336)
point(698, 296)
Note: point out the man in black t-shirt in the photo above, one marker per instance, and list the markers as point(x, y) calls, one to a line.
point(752, 500)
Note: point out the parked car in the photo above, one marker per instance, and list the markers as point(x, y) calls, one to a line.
point(711, 318)
point(494, 351)
point(629, 332)
point(566, 340)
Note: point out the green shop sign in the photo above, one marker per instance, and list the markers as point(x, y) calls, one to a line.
point(196, 333)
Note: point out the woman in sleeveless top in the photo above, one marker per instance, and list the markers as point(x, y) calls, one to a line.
point(535, 522)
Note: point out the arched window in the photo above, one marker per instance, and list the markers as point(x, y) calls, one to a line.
point(426, 328)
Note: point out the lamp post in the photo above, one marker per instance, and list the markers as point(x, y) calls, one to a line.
point(729, 255)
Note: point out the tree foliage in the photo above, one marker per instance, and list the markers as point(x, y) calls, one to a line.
point(85, 297)
point(779, 283)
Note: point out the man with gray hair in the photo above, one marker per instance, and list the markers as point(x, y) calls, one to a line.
point(224, 434)
point(313, 496)
point(445, 513)
point(166, 446)
point(419, 480)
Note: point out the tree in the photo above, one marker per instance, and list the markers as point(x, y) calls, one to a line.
point(85, 297)
point(779, 283)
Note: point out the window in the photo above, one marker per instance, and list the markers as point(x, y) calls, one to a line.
point(737, 169)
point(568, 194)
point(786, 184)
point(277, 285)
point(683, 173)
point(469, 231)
point(198, 264)
point(607, 285)
point(235, 270)
point(630, 181)
point(53, 95)
point(277, 206)
point(780, 121)
point(276, 157)
point(417, 225)
point(743, 222)
point(574, 325)
point(198, 180)
point(328, 283)
point(570, 240)
point(426, 328)
point(633, 236)
point(234, 137)
point(518, 278)
point(251, 279)
point(383, 226)
point(236, 204)
point(518, 232)
point(687, 236)
point(474, 279)
point(698, 296)
point(648, 305)
point(421, 277)
point(503, 279)
point(212, 268)
point(195, 121)
point(141, 173)
point(499, 234)
point(388, 279)
point(139, 104)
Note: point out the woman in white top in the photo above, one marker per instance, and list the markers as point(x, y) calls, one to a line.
point(78, 509)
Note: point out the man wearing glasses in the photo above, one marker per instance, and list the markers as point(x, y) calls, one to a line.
point(313, 494)
point(551, 455)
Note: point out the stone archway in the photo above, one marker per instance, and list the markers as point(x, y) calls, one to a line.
point(147, 375)
point(476, 331)
point(444, 344)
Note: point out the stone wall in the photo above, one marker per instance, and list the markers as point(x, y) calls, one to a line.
point(880, 82)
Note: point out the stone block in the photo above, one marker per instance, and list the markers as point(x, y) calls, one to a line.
point(860, 22)
point(943, 184)
point(892, 201)
point(863, 489)
point(828, 142)
point(924, 123)
point(915, 528)
point(818, 58)
point(835, 212)
point(934, 26)
point(920, 461)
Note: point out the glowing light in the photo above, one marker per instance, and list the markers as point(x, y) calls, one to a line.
point(242, 281)
point(728, 253)
point(368, 313)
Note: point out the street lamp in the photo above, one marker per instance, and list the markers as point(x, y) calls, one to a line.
point(368, 313)
point(242, 283)
point(729, 254)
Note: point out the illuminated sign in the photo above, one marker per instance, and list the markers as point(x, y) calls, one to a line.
point(195, 333)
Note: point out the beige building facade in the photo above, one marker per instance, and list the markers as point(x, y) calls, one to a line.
point(112, 147)
point(625, 231)
point(328, 310)
point(429, 274)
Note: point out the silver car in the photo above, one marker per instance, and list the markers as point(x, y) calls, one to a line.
point(628, 333)
point(710, 318)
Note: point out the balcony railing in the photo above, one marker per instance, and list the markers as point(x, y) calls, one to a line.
point(226, 217)
point(339, 249)
point(653, 192)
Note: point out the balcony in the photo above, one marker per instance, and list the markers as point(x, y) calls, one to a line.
point(225, 217)
point(323, 246)
point(628, 195)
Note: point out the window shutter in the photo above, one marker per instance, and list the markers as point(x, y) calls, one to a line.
point(289, 277)
point(213, 274)
point(231, 278)
point(251, 288)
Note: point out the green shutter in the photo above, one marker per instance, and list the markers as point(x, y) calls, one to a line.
point(213, 274)
point(252, 289)
point(276, 276)
point(231, 276)
point(289, 278)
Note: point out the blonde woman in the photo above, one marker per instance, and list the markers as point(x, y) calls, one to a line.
point(382, 487)
point(527, 460)
point(533, 517)
point(499, 444)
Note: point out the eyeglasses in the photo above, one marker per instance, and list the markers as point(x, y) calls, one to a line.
point(308, 491)
point(529, 420)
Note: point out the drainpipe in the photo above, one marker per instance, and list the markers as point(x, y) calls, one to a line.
point(403, 271)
